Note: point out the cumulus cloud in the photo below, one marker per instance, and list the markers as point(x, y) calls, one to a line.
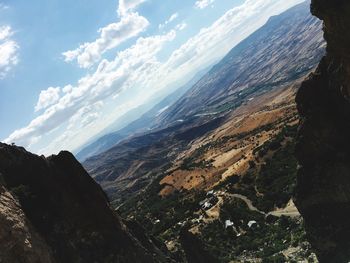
point(131, 24)
point(85, 115)
point(8, 51)
point(128, 5)
point(201, 4)
point(110, 78)
point(47, 98)
point(111, 36)
point(136, 73)
point(5, 32)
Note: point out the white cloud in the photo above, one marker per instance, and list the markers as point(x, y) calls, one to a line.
point(136, 75)
point(85, 115)
point(5, 32)
point(131, 24)
point(67, 89)
point(110, 78)
point(201, 4)
point(8, 51)
point(172, 17)
point(111, 36)
point(235, 25)
point(128, 5)
point(181, 26)
point(169, 20)
point(47, 98)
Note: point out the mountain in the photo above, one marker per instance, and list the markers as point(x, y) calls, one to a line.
point(202, 198)
point(286, 48)
point(141, 124)
point(323, 143)
point(217, 169)
point(52, 211)
point(284, 44)
point(208, 181)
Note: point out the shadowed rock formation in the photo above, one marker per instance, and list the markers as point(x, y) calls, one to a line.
point(323, 148)
point(51, 210)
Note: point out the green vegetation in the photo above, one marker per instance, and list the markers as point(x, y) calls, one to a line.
point(272, 174)
point(229, 181)
point(277, 177)
point(189, 164)
point(148, 207)
point(265, 241)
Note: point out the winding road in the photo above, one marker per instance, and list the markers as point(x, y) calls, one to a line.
point(290, 210)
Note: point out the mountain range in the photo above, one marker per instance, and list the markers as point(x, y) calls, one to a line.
point(283, 51)
point(141, 124)
point(209, 174)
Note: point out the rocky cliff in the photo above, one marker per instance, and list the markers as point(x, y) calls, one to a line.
point(51, 210)
point(323, 150)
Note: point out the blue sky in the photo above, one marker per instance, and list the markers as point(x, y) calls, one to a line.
point(69, 69)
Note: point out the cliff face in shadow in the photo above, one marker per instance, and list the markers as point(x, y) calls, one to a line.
point(51, 210)
point(323, 147)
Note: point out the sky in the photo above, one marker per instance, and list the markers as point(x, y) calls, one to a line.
point(71, 69)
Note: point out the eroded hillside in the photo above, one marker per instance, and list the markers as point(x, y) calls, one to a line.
point(217, 172)
point(285, 49)
point(231, 190)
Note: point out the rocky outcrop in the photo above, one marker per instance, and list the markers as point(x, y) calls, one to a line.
point(18, 239)
point(51, 210)
point(323, 147)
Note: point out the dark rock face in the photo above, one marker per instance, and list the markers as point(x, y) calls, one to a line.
point(18, 238)
point(194, 248)
point(323, 148)
point(64, 213)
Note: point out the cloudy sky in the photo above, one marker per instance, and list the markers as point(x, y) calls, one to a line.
point(70, 69)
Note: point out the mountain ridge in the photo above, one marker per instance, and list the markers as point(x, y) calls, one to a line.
point(142, 124)
point(250, 63)
point(123, 166)
point(68, 214)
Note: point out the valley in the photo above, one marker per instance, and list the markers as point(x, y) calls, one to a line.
point(213, 177)
point(244, 161)
point(211, 171)
point(243, 171)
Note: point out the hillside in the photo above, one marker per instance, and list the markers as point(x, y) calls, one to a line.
point(131, 164)
point(248, 162)
point(140, 125)
point(220, 160)
point(243, 172)
point(286, 48)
